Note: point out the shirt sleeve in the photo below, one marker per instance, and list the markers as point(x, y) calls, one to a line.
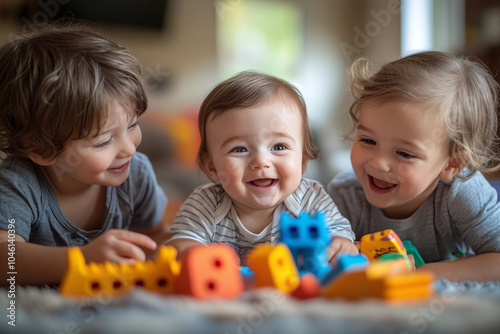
point(20, 198)
point(196, 217)
point(320, 201)
point(148, 197)
point(475, 213)
point(348, 195)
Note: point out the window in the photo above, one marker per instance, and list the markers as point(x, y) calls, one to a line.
point(259, 35)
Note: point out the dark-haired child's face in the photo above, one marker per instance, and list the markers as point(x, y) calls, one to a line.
point(101, 158)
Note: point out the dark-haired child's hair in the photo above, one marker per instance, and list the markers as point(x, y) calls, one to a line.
point(57, 83)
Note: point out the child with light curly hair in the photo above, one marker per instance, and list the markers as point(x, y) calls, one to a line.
point(425, 129)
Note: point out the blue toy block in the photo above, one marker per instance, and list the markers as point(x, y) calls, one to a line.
point(248, 277)
point(411, 249)
point(308, 239)
point(345, 262)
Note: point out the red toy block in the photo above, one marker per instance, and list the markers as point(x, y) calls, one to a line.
point(209, 272)
point(309, 287)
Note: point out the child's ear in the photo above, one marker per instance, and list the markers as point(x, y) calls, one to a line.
point(304, 164)
point(453, 167)
point(209, 168)
point(39, 160)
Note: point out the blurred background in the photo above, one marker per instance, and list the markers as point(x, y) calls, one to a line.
point(188, 46)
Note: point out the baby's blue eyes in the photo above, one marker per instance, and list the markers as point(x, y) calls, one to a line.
point(406, 155)
point(277, 147)
point(239, 150)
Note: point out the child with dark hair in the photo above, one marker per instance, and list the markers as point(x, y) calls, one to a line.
point(69, 103)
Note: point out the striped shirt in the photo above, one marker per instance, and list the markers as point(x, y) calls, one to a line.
point(208, 216)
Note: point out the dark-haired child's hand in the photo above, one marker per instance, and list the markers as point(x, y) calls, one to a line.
point(340, 246)
point(118, 246)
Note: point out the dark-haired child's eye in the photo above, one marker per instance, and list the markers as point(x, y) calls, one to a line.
point(133, 125)
point(103, 144)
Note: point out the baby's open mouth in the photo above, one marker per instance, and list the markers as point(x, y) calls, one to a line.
point(263, 183)
point(381, 184)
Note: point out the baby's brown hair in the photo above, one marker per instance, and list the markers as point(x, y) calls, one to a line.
point(249, 89)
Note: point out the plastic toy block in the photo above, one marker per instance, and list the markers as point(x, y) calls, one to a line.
point(308, 238)
point(396, 256)
point(381, 268)
point(309, 287)
point(93, 279)
point(345, 262)
point(210, 272)
point(375, 244)
point(273, 266)
point(381, 281)
point(248, 277)
point(411, 249)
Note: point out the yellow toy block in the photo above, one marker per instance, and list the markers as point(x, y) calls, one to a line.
point(376, 244)
point(381, 268)
point(388, 280)
point(273, 265)
point(94, 279)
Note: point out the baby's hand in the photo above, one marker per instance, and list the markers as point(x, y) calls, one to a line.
point(339, 246)
point(119, 246)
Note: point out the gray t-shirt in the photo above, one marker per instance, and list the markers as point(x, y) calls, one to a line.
point(459, 216)
point(27, 198)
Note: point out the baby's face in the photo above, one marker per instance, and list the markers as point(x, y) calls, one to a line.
point(256, 154)
point(103, 157)
point(399, 154)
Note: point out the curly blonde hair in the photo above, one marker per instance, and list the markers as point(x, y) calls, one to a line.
point(459, 90)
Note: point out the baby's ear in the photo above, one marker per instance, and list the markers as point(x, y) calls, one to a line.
point(304, 165)
point(209, 169)
point(454, 166)
point(39, 160)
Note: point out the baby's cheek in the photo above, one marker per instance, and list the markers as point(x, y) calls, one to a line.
point(227, 172)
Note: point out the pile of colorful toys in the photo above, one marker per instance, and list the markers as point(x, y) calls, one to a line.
point(297, 265)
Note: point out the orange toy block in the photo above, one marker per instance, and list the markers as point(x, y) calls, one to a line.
point(274, 266)
point(388, 280)
point(210, 272)
point(375, 244)
point(94, 279)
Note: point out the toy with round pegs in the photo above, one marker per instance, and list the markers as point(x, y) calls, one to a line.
point(297, 265)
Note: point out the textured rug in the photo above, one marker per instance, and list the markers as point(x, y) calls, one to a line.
point(457, 308)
